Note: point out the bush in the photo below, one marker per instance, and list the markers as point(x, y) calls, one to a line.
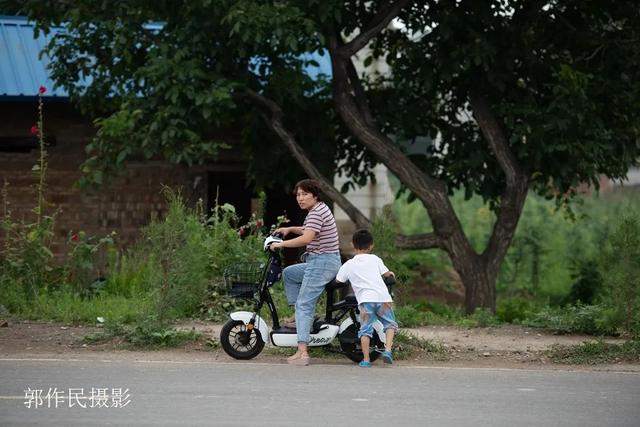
point(407, 346)
point(576, 319)
point(621, 266)
point(147, 333)
point(587, 283)
point(513, 310)
point(180, 260)
point(481, 318)
point(594, 352)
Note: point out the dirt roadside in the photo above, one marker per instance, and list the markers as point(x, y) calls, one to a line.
point(493, 347)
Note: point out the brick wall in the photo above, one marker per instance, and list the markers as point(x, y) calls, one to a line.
point(125, 205)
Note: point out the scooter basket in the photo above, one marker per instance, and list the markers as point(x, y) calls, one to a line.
point(243, 280)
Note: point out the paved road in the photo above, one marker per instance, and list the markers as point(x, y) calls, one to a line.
point(239, 394)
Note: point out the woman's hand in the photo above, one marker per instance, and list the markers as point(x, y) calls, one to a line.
point(283, 230)
point(276, 245)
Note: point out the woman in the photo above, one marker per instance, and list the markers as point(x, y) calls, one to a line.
point(304, 283)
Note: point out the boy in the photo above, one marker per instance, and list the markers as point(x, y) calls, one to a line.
point(365, 272)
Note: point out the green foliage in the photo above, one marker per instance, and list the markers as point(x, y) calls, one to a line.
point(576, 319)
point(66, 306)
point(146, 334)
point(621, 268)
point(480, 318)
point(551, 252)
point(407, 346)
point(83, 257)
point(384, 230)
point(180, 260)
point(562, 101)
point(514, 310)
point(26, 259)
point(587, 283)
point(595, 352)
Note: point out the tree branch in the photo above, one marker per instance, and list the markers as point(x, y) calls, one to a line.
point(420, 241)
point(272, 115)
point(358, 93)
point(377, 24)
point(430, 191)
point(515, 193)
point(496, 138)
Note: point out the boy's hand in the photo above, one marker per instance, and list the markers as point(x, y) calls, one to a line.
point(389, 273)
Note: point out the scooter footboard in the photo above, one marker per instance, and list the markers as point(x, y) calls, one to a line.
point(245, 316)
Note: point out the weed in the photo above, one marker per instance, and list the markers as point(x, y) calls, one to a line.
point(407, 346)
point(595, 352)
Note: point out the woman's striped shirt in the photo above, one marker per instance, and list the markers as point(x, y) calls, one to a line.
point(321, 220)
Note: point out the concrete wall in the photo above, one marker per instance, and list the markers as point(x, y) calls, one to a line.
point(370, 199)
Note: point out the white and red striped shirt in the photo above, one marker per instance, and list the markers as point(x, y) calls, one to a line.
point(321, 220)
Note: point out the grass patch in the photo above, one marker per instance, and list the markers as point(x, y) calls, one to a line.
point(145, 335)
point(407, 346)
point(578, 319)
point(64, 305)
point(595, 352)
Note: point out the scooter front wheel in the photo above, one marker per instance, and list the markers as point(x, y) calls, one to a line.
point(240, 342)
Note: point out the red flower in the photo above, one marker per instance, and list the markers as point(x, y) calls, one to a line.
point(34, 130)
point(242, 231)
point(258, 223)
point(42, 90)
point(74, 237)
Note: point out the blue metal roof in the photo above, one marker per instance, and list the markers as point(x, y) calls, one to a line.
point(22, 72)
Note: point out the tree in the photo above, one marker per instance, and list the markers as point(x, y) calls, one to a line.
point(520, 95)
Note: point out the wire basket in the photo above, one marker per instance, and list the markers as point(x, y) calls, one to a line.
point(243, 280)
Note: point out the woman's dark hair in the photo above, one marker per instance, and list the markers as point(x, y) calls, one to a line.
point(310, 186)
point(362, 239)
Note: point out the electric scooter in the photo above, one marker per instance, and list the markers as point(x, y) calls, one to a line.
point(245, 334)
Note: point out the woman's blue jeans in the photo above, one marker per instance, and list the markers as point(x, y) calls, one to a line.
point(304, 283)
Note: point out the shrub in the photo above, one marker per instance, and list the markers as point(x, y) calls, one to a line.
point(621, 266)
point(181, 258)
point(585, 319)
point(511, 310)
point(482, 318)
point(147, 333)
point(594, 352)
point(407, 346)
point(82, 260)
point(587, 283)
point(26, 260)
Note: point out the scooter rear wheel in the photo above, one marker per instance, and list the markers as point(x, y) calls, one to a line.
point(239, 342)
point(350, 344)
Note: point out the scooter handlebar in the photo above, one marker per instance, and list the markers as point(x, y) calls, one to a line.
point(389, 280)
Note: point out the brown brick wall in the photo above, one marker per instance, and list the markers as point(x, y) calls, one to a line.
point(124, 205)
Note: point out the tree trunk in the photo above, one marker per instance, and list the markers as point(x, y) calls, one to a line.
point(479, 284)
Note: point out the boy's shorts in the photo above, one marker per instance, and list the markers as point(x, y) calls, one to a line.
point(372, 311)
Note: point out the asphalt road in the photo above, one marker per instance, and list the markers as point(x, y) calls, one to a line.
point(257, 394)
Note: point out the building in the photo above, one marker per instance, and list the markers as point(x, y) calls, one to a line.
point(129, 201)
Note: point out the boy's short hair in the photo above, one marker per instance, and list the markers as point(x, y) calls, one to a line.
point(362, 239)
point(309, 186)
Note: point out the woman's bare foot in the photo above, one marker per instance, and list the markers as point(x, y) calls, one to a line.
point(299, 358)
